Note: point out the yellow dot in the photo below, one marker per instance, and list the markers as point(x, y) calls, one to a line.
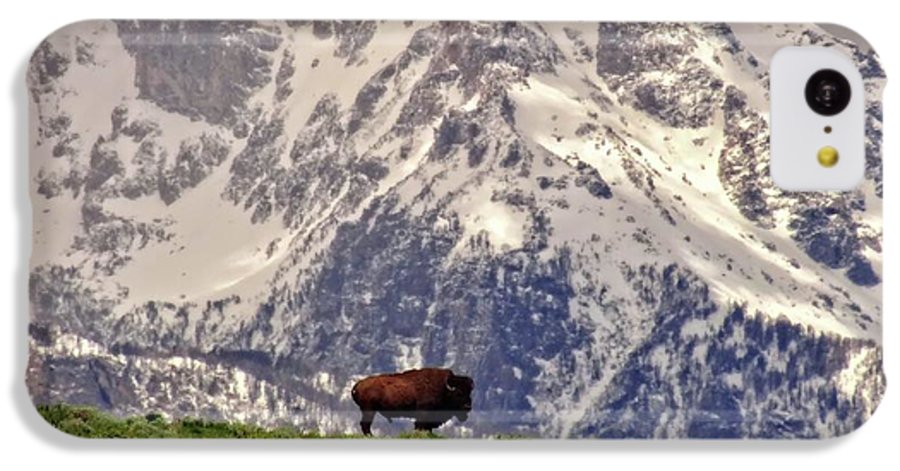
point(828, 156)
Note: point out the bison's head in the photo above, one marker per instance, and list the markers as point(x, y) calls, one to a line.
point(459, 395)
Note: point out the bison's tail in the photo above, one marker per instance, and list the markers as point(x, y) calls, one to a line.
point(355, 394)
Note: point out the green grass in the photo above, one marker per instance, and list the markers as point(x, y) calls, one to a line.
point(418, 434)
point(89, 422)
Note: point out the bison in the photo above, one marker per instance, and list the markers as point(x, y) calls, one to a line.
point(431, 396)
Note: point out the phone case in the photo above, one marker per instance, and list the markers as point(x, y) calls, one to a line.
point(259, 228)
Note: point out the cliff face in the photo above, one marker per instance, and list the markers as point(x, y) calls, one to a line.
point(237, 220)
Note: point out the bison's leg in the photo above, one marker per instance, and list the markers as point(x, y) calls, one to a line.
point(366, 422)
point(427, 426)
point(428, 420)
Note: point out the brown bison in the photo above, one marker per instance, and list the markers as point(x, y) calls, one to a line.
point(431, 396)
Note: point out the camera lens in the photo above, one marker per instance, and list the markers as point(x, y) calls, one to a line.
point(828, 92)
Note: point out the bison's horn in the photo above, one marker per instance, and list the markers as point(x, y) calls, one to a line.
point(450, 388)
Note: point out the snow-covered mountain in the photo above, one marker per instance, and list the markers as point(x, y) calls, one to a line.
point(239, 219)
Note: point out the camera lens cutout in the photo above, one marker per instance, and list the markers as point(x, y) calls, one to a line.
point(828, 92)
